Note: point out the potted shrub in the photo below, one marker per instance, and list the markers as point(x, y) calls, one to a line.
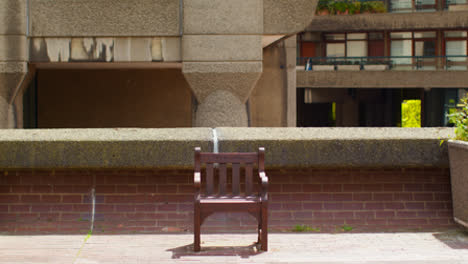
point(458, 156)
point(322, 8)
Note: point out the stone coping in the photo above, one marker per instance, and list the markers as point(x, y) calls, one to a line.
point(173, 148)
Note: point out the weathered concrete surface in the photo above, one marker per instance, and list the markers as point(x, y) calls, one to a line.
point(285, 147)
point(101, 148)
point(237, 78)
point(223, 17)
point(222, 47)
point(13, 55)
point(13, 17)
point(287, 16)
point(341, 147)
point(221, 108)
point(267, 102)
point(382, 79)
point(390, 21)
point(62, 18)
point(104, 49)
point(458, 154)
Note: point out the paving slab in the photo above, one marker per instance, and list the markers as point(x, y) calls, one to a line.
point(442, 247)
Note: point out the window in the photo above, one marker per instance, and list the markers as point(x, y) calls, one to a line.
point(456, 49)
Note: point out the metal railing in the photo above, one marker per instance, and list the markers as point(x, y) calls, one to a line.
point(449, 62)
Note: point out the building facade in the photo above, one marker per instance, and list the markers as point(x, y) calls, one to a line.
point(358, 69)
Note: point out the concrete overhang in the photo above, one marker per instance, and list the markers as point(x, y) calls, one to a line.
point(390, 21)
point(382, 79)
point(173, 148)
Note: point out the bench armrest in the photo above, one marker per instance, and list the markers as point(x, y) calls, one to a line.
point(264, 185)
point(197, 180)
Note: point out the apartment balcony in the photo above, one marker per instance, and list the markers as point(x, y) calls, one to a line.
point(393, 17)
point(383, 72)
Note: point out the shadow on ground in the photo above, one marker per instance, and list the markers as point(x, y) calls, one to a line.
point(455, 239)
point(241, 251)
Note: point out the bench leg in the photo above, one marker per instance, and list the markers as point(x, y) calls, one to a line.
point(196, 228)
point(264, 232)
point(259, 230)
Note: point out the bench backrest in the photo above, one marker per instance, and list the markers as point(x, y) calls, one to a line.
point(236, 160)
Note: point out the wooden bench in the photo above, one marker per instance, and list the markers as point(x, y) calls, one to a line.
point(252, 198)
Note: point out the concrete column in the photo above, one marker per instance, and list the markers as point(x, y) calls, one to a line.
point(222, 57)
point(291, 53)
point(13, 56)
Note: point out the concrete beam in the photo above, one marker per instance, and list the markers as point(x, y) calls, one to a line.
point(222, 48)
point(67, 18)
point(285, 147)
point(382, 79)
point(223, 17)
point(105, 49)
point(390, 21)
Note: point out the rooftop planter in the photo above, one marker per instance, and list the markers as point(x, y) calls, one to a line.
point(458, 158)
point(347, 7)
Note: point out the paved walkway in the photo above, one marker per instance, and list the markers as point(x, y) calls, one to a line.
point(443, 247)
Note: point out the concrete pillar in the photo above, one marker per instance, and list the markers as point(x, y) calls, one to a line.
point(13, 56)
point(222, 57)
point(291, 86)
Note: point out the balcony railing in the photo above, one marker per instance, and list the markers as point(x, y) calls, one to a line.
point(449, 62)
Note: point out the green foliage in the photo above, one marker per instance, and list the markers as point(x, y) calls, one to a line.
point(350, 7)
point(411, 113)
point(460, 119)
point(305, 228)
point(346, 228)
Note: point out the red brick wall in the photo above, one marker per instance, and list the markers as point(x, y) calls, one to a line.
point(149, 201)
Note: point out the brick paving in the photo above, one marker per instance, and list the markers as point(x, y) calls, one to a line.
point(426, 247)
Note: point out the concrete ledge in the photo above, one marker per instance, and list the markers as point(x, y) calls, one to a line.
point(382, 79)
point(101, 148)
point(390, 21)
point(341, 147)
point(285, 147)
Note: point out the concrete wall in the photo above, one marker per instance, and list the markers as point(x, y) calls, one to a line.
point(382, 79)
point(268, 99)
point(64, 18)
point(162, 148)
point(113, 98)
point(390, 21)
point(13, 56)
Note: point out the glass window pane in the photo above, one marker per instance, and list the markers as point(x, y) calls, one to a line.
point(356, 49)
point(424, 48)
point(335, 36)
point(427, 34)
point(400, 35)
point(356, 35)
point(400, 5)
point(455, 34)
point(455, 48)
point(335, 49)
point(401, 48)
point(456, 2)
